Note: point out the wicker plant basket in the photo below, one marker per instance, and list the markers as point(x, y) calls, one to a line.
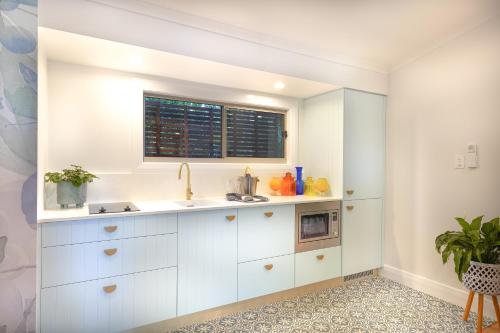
point(483, 278)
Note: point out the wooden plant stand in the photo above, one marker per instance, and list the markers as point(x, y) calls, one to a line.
point(480, 305)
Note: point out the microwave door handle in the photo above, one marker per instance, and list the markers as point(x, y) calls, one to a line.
point(332, 231)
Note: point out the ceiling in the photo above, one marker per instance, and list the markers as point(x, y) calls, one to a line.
point(90, 51)
point(381, 34)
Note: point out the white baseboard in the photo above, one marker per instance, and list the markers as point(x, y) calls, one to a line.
point(437, 289)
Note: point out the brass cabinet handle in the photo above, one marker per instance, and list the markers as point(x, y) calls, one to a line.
point(350, 192)
point(230, 218)
point(269, 214)
point(109, 289)
point(269, 266)
point(110, 252)
point(111, 228)
point(350, 207)
point(320, 256)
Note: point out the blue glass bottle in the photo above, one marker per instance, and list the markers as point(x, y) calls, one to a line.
point(299, 183)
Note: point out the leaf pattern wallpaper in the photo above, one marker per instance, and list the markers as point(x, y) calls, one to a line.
point(18, 132)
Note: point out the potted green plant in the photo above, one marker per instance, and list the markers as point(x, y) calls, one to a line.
point(476, 253)
point(71, 185)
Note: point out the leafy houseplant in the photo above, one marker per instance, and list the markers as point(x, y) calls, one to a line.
point(478, 242)
point(71, 185)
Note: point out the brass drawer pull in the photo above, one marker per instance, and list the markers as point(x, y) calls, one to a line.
point(269, 214)
point(268, 266)
point(230, 218)
point(350, 192)
point(109, 289)
point(350, 207)
point(111, 252)
point(111, 228)
point(320, 256)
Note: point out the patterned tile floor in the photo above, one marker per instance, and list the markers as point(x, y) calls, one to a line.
point(369, 305)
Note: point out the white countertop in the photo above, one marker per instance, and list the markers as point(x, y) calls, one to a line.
point(170, 206)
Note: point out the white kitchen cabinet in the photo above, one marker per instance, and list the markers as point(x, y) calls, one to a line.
point(361, 235)
point(364, 145)
point(321, 136)
point(87, 261)
point(267, 276)
point(157, 224)
point(318, 265)
point(93, 230)
point(265, 232)
point(342, 137)
point(129, 301)
point(207, 260)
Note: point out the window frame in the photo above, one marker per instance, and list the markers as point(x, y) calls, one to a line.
point(224, 159)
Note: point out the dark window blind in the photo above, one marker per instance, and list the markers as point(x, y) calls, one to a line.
point(255, 133)
point(175, 128)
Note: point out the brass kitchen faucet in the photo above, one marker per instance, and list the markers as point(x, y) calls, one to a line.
point(189, 193)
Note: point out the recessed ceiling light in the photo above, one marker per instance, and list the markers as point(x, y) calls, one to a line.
point(279, 85)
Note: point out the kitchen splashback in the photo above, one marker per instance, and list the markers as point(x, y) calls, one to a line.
point(166, 186)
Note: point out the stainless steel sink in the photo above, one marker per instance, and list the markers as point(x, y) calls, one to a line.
point(195, 203)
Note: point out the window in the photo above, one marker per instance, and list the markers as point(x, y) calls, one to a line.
point(174, 128)
point(255, 133)
point(179, 128)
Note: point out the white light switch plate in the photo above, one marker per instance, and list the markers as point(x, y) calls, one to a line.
point(459, 161)
point(471, 160)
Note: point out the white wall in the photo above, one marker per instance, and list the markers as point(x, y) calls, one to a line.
point(137, 23)
point(96, 119)
point(42, 137)
point(437, 105)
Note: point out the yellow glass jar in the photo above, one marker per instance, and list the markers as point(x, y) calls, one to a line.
point(322, 186)
point(309, 187)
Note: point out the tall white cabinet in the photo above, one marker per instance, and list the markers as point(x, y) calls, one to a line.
point(349, 128)
point(363, 173)
point(364, 145)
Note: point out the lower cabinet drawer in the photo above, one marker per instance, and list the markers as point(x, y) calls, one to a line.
point(318, 265)
point(89, 261)
point(110, 305)
point(95, 230)
point(266, 276)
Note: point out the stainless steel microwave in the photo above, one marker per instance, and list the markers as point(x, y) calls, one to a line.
point(317, 225)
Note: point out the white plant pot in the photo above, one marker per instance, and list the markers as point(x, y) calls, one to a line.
point(483, 278)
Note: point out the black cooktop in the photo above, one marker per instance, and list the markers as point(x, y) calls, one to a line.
point(112, 207)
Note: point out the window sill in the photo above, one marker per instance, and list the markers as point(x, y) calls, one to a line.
point(174, 165)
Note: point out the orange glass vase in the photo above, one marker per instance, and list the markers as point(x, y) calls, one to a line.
point(288, 185)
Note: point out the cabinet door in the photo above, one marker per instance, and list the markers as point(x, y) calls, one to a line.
point(207, 260)
point(110, 305)
point(361, 235)
point(84, 231)
point(154, 295)
point(364, 145)
point(81, 262)
point(265, 232)
point(318, 265)
point(267, 276)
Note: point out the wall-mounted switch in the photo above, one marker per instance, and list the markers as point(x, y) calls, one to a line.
point(471, 160)
point(459, 161)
